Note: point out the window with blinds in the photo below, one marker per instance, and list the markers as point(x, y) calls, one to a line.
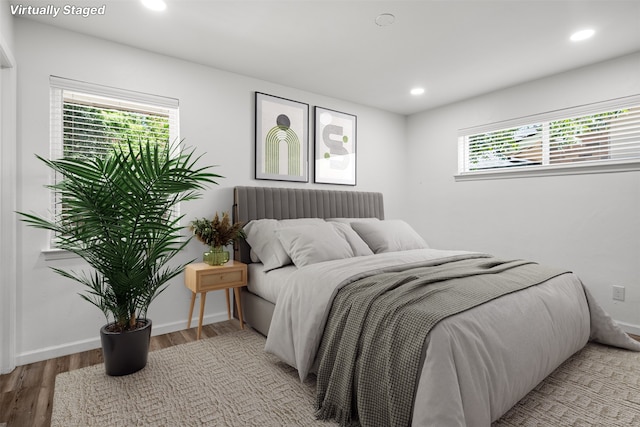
point(603, 136)
point(87, 120)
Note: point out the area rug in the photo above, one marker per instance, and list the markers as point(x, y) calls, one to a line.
point(228, 380)
point(598, 386)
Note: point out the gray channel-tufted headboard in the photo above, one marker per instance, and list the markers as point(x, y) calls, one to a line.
point(289, 203)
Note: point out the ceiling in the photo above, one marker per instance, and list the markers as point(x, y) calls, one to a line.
point(455, 49)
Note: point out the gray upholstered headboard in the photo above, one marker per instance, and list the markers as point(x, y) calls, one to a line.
point(289, 203)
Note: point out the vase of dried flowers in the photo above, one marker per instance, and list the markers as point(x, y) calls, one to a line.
point(216, 256)
point(216, 233)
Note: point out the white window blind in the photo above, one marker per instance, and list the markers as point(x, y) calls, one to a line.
point(593, 136)
point(87, 120)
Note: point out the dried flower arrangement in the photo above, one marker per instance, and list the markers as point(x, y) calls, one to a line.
point(217, 232)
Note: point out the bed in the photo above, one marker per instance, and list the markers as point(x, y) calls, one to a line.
point(469, 367)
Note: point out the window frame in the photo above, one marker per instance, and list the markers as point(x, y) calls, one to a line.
point(58, 86)
point(601, 166)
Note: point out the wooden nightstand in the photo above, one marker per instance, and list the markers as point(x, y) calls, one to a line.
point(201, 278)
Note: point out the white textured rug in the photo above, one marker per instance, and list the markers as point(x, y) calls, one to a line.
point(597, 386)
point(228, 380)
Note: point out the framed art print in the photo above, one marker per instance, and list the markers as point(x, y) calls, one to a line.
point(282, 139)
point(335, 147)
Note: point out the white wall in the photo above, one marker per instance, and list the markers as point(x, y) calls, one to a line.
point(216, 111)
point(8, 149)
point(6, 23)
point(587, 223)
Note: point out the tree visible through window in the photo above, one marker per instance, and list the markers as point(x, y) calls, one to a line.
point(90, 130)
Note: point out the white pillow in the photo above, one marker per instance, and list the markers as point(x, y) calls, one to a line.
point(358, 246)
point(310, 244)
point(350, 220)
point(389, 236)
point(264, 243)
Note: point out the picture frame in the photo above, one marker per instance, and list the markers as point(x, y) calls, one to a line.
point(335, 153)
point(281, 139)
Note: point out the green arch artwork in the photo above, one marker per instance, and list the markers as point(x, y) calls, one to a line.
point(282, 133)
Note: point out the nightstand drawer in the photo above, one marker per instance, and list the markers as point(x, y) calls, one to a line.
point(212, 280)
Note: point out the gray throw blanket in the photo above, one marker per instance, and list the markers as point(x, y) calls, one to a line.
point(371, 351)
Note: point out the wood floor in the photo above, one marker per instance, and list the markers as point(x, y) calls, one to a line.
point(26, 394)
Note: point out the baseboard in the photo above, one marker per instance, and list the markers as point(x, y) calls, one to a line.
point(629, 328)
point(93, 343)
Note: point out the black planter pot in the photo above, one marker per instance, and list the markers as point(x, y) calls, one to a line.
point(125, 352)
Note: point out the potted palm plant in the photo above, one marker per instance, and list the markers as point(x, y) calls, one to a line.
point(118, 213)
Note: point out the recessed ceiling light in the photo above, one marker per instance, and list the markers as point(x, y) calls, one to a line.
point(582, 35)
point(155, 4)
point(385, 19)
point(417, 91)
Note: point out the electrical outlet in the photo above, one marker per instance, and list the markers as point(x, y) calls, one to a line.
point(618, 293)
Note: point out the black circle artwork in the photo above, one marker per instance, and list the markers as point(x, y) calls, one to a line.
point(283, 121)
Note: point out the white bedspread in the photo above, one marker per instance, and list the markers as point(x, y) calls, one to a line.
point(478, 363)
